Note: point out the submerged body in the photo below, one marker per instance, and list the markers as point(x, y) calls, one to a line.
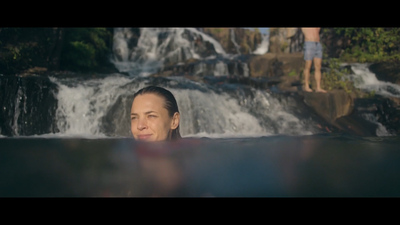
point(275, 166)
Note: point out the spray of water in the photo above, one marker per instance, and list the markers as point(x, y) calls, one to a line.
point(156, 47)
point(81, 105)
point(264, 45)
point(84, 108)
point(366, 80)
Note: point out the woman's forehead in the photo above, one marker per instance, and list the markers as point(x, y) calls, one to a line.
point(147, 102)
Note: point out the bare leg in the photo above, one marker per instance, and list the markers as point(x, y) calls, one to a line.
point(306, 73)
point(317, 74)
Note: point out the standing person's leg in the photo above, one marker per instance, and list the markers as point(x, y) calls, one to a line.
point(306, 73)
point(308, 56)
point(317, 67)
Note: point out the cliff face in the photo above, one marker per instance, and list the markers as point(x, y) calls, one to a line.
point(286, 40)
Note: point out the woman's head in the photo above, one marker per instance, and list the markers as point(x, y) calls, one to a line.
point(155, 115)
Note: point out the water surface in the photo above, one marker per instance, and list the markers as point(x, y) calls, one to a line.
point(269, 166)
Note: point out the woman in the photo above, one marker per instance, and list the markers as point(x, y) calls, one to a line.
point(155, 115)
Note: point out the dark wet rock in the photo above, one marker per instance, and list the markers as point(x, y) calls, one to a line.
point(28, 105)
point(386, 71)
point(336, 108)
point(357, 116)
point(331, 105)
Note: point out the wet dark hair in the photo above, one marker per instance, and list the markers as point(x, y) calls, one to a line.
point(170, 103)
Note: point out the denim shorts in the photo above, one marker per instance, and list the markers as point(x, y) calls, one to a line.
point(312, 50)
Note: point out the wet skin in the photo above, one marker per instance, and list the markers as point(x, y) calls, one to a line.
point(150, 121)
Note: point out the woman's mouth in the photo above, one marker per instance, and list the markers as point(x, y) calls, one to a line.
point(144, 136)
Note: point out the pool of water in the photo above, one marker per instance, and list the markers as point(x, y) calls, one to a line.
point(270, 166)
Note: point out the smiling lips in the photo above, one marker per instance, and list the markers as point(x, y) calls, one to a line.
point(144, 136)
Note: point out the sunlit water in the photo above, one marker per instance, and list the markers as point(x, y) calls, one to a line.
point(238, 141)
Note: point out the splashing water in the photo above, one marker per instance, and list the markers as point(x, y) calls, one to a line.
point(156, 47)
point(264, 45)
point(101, 106)
point(366, 80)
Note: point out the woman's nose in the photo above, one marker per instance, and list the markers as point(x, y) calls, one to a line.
point(142, 124)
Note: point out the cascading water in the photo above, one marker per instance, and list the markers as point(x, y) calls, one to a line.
point(232, 34)
point(81, 105)
point(157, 47)
point(146, 51)
point(100, 107)
point(264, 45)
point(365, 80)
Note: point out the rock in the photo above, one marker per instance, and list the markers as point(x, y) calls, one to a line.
point(331, 105)
point(35, 70)
point(380, 110)
point(275, 65)
point(356, 125)
point(235, 40)
point(285, 40)
point(28, 105)
point(386, 71)
point(337, 108)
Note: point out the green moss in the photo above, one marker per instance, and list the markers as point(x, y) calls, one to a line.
point(292, 73)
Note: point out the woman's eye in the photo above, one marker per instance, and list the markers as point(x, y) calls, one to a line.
point(133, 118)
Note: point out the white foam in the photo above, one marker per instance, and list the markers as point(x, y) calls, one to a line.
point(366, 80)
point(155, 46)
point(263, 47)
point(82, 105)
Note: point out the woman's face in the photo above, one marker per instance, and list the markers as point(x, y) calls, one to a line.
point(150, 120)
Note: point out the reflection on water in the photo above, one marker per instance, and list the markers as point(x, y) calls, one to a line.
point(272, 166)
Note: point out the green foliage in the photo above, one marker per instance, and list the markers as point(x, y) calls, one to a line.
point(19, 48)
point(292, 73)
point(85, 48)
point(335, 77)
point(371, 44)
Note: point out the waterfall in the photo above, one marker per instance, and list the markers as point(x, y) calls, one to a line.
point(82, 104)
point(364, 79)
point(100, 107)
point(17, 111)
point(232, 32)
point(264, 45)
point(221, 69)
point(157, 47)
point(148, 51)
